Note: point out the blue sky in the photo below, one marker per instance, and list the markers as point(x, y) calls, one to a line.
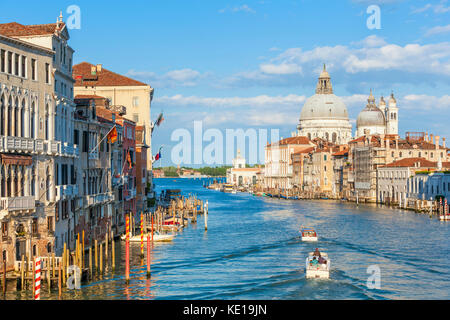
point(252, 64)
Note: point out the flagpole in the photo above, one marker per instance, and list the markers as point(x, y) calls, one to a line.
point(106, 136)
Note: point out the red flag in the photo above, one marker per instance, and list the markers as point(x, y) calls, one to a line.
point(112, 136)
point(129, 159)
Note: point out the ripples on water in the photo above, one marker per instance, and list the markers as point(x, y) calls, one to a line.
point(252, 250)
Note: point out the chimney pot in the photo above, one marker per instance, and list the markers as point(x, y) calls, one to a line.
point(99, 68)
point(438, 138)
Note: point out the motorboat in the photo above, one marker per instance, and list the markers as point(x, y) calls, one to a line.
point(228, 188)
point(157, 237)
point(444, 217)
point(309, 235)
point(317, 270)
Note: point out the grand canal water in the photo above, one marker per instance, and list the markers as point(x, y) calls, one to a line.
point(252, 250)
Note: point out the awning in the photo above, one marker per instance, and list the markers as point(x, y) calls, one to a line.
point(11, 159)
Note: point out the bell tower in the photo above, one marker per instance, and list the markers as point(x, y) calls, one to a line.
point(392, 116)
point(324, 86)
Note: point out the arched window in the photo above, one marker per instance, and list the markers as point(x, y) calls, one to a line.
point(34, 250)
point(327, 136)
point(2, 115)
point(46, 123)
point(10, 111)
point(309, 136)
point(16, 118)
point(334, 137)
point(32, 120)
point(49, 247)
point(22, 119)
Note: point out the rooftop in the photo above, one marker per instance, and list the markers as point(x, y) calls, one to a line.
point(82, 73)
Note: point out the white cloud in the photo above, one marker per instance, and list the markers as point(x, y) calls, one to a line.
point(436, 8)
point(438, 30)
point(422, 102)
point(386, 63)
point(283, 68)
point(262, 100)
point(183, 77)
point(242, 8)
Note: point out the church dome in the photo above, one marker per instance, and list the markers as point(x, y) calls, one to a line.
point(324, 106)
point(371, 116)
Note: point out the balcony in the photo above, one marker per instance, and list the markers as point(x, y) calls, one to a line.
point(131, 194)
point(17, 203)
point(97, 199)
point(37, 146)
point(117, 181)
point(66, 192)
point(70, 150)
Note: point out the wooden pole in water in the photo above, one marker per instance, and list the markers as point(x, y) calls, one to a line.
point(26, 270)
point(148, 256)
point(113, 255)
point(90, 262)
point(101, 258)
point(4, 276)
point(53, 265)
point(49, 279)
point(127, 251)
point(59, 281)
point(142, 235)
point(82, 257)
point(106, 247)
point(96, 255)
point(64, 264)
point(22, 269)
point(206, 220)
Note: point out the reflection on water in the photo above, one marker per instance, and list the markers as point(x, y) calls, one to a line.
point(252, 250)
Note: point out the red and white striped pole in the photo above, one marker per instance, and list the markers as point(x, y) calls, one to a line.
point(148, 256)
point(37, 279)
point(142, 235)
point(152, 228)
point(127, 250)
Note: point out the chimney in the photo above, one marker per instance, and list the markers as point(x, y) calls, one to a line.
point(426, 136)
point(437, 142)
point(431, 140)
point(99, 68)
point(443, 143)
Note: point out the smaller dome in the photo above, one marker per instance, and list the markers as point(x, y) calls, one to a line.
point(392, 99)
point(371, 116)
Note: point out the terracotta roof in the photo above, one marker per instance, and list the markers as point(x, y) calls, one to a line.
point(293, 140)
point(304, 150)
point(413, 162)
point(341, 153)
point(88, 96)
point(104, 78)
point(14, 29)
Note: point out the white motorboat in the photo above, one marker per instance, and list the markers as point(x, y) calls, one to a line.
point(318, 270)
point(444, 217)
point(309, 235)
point(157, 237)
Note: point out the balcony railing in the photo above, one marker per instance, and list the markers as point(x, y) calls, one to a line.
point(96, 199)
point(37, 146)
point(65, 192)
point(17, 203)
point(131, 194)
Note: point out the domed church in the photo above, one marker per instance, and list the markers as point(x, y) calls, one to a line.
point(324, 115)
point(378, 120)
